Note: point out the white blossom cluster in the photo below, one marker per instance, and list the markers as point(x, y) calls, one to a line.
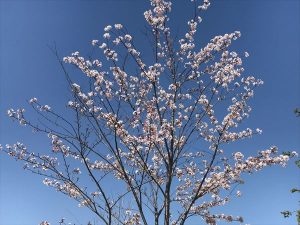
point(44, 223)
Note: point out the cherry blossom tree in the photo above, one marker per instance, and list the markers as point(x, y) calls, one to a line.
point(156, 129)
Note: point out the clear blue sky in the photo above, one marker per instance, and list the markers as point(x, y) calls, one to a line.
point(270, 33)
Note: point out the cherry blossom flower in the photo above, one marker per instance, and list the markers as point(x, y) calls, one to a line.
point(44, 223)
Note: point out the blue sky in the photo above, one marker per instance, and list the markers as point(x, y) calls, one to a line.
point(270, 33)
